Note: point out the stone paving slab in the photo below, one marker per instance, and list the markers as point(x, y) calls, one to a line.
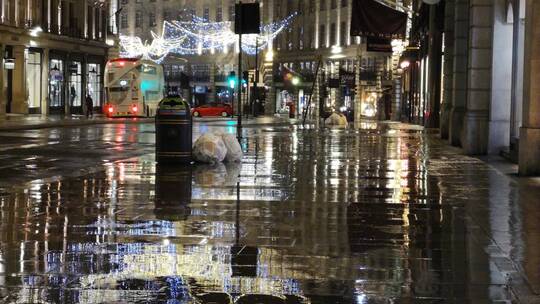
point(381, 214)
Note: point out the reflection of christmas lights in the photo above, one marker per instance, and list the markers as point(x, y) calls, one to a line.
point(369, 108)
point(197, 36)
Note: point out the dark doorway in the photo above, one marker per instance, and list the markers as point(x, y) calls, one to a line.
point(9, 81)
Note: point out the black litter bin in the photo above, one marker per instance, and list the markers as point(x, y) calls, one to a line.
point(173, 131)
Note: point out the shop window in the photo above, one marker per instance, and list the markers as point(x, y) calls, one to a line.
point(33, 81)
point(219, 14)
point(94, 83)
point(123, 21)
point(231, 13)
point(151, 19)
point(322, 36)
point(333, 34)
point(75, 84)
point(138, 19)
point(56, 83)
point(343, 33)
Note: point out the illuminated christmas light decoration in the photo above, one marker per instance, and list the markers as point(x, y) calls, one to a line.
point(198, 36)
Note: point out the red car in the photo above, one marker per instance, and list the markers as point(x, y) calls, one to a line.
point(213, 109)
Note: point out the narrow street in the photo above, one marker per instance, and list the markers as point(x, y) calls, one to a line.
point(382, 213)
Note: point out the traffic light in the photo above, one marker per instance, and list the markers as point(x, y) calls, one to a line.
point(245, 77)
point(232, 80)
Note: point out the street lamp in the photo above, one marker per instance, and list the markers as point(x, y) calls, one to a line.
point(34, 32)
point(405, 64)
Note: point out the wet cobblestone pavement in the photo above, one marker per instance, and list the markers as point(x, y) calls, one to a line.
point(379, 214)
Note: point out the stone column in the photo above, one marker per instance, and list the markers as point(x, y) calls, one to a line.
point(337, 94)
point(212, 95)
point(460, 60)
point(159, 16)
point(270, 102)
point(501, 80)
point(435, 58)
point(474, 137)
point(45, 82)
point(19, 90)
point(359, 88)
point(529, 142)
point(449, 16)
point(2, 90)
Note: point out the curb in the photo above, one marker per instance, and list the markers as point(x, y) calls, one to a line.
point(67, 123)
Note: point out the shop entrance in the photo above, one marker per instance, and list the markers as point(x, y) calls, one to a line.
point(94, 88)
point(8, 79)
point(56, 87)
point(33, 81)
point(75, 88)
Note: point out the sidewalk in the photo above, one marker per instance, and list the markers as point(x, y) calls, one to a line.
point(10, 122)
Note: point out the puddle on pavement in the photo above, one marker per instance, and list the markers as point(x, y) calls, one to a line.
point(333, 217)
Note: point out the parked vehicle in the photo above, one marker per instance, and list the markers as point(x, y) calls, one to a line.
point(213, 109)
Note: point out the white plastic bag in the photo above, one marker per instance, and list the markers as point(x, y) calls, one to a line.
point(343, 120)
point(234, 150)
point(210, 175)
point(337, 119)
point(209, 149)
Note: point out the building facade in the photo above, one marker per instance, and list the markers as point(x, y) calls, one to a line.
point(473, 73)
point(317, 39)
point(53, 54)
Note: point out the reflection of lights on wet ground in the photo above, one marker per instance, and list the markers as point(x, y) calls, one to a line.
point(361, 299)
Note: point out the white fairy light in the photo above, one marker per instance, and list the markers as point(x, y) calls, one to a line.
point(199, 36)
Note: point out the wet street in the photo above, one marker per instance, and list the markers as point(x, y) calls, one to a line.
point(379, 213)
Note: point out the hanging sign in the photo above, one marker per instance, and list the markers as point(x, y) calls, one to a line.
point(9, 64)
point(381, 45)
point(372, 19)
point(347, 78)
point(333, 83)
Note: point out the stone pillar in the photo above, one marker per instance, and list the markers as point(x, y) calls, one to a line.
point(359, 89)
point(435, 58)
point(397, 97)
point(2, 84)
point(501, 80)
point(19, 90)
point(449, 16)
point(159, 15)
point(337, 95)
point(45, 82)
point(529, 142)
point(270, 102)
point(474, 136)
point(212, 95)
point(460, 61)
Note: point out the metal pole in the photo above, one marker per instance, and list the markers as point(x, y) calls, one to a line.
point(256, 78)
point(239, 20)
